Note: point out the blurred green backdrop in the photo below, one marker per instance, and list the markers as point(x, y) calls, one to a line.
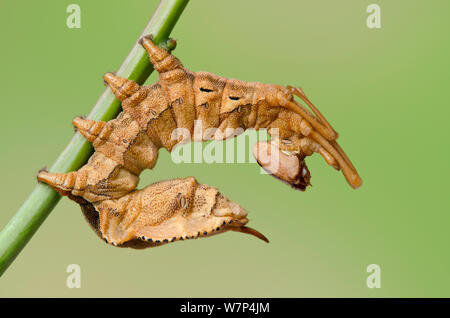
point(385, 91)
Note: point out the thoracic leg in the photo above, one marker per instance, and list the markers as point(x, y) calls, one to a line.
point(290, 128)
point(297, 91)
point(308, 146)
point(284, 156)
point(323, 135)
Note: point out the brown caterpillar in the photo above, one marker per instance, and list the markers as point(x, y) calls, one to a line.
point(181, 208)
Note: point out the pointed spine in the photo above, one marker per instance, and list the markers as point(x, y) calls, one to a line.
point(90, 129)
point(121, 87)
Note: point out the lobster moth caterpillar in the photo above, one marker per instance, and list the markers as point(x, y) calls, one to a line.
point(180, 209)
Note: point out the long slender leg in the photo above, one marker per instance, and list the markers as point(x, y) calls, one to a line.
point(308, 146)
point(323, 134)
point(296, 107)
point(349, 171)
point(342, 153)
point(329, 158)
point(297, 91)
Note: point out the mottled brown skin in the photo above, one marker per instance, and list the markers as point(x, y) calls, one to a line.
point(127, 145)
point(165, 212)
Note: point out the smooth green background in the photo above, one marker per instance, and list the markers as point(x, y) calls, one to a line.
point(385, 91)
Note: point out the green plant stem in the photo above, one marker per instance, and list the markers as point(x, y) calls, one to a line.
point(19, 230)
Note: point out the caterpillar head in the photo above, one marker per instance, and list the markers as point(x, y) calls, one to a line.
point(289, 168)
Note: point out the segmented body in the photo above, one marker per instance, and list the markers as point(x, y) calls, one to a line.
point(197, 102)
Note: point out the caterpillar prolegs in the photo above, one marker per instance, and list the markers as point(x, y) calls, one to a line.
point(181, 209)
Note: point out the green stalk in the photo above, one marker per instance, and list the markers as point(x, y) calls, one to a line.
point(19, 230)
